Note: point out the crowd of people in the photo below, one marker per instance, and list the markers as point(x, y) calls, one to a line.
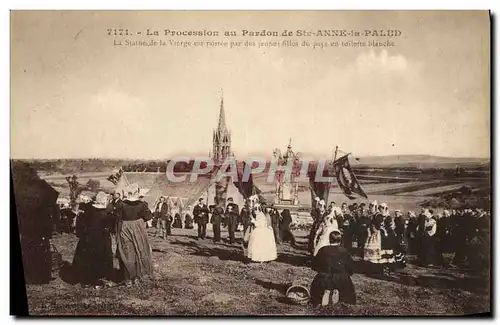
point(167, 216)
point(382, 239)
point(386, 238)
point(97, 220)
point(262, 226)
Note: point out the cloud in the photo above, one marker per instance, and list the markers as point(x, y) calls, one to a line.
point(383, 62)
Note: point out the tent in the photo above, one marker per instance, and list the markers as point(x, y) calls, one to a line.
point(157, 184)
point(185, 193)
point(36, 209)
point(35, 201)
point(145, 181)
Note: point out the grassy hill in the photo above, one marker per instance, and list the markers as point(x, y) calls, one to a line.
point(420, 161)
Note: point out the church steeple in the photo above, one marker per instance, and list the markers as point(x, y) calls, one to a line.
point(222, 116)
point(221, 137)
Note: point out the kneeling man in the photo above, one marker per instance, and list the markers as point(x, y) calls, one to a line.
point(333, 282)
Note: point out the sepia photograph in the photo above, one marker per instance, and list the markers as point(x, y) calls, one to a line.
point(251, 163)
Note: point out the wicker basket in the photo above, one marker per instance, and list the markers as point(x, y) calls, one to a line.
point(56, 258)
point(298, 294)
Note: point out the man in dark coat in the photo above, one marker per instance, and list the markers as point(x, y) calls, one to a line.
point(200, 213)
point(444, 232)
point(420, 235)
point(412, 234)
point(333, 282)
point(285, 232)
point(459, 228)
point(217, 216)
point(275, 223)
point(114, 208)
point(348, 229)
point(163, 214)
point(245, 218)
point(399, 224)
point(400, 248)
point(232, 216)
point(362, 225)
point(69, 217)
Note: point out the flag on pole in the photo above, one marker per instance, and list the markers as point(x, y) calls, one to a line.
point(318, 189)
point(115, 177)
point(346, 179)
point(247, 188)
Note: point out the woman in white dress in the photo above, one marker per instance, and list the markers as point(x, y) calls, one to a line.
point(261, 244)
point(328, 224)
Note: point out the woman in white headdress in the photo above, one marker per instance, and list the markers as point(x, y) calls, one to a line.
point(261, 244)
point(378, 252)
point(328, 224)
point(318, 213)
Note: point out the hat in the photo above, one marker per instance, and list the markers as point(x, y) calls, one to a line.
point(200, 199)
point(383, 205)
point(374, 203)
point(101, 200)
point(83, 199)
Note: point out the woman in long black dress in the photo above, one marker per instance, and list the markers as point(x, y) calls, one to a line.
point(429, 256)
point(134, 250)
point(285, 232)
point(93, 259)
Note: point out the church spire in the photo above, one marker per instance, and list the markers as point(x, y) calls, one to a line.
point(222, 116)
point(221, 136)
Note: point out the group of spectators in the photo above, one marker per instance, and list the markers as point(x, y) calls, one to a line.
point(464, 232)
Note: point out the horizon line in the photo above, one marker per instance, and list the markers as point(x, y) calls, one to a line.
point(242, 158)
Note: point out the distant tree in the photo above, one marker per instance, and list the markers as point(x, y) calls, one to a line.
point(74, 188)
point(93, 185)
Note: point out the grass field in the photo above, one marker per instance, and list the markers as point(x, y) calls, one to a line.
point(200, 278)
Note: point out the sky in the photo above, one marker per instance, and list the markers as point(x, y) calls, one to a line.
point(76, 95)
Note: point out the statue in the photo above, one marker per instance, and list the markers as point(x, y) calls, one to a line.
point(287, 184)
